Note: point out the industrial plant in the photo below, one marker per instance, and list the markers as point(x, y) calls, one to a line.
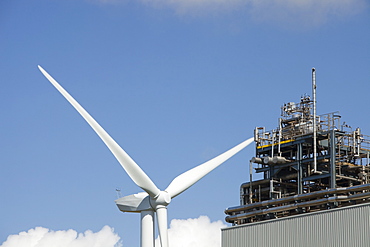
point(315, 183)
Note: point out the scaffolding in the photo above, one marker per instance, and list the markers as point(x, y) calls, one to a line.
point(308, 163)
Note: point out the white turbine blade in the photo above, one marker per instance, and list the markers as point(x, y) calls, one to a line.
point(131, 168)
point(162, 225)
point(187, 179)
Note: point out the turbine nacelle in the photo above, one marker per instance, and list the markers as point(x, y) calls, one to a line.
point(139, 202)
point(135, 203)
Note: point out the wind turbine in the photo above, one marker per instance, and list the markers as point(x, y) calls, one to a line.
point(153, 200)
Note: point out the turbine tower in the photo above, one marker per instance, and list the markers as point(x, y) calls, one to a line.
point(153, 200)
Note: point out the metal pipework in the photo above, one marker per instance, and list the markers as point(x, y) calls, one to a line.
point(267, 160)
point(311, 195)
point(298, 205)
point(270, 160)
point(257, 160)
point(279, 160)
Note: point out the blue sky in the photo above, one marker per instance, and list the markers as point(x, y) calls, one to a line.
point(174, 82)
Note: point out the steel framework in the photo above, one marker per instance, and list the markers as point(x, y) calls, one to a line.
point(308, 163)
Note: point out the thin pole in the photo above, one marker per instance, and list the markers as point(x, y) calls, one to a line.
point(314, 120)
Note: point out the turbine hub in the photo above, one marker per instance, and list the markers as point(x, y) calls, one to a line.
point(162, 199)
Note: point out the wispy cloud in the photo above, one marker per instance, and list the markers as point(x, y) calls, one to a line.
point(287, 12)
point(308, 13)
point(197, 7)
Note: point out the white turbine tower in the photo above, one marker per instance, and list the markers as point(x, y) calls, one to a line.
point(153, 200)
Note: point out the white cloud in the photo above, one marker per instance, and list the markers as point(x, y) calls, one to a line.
point(199, 232)
point(43, 237)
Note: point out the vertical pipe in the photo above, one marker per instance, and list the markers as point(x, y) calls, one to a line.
point(354, 143)
point(271, 188)
point(332, 159)
point(250, 181)
point(367, 163)
point(300, 168)
point(273, 143)
point(243, 201)
point(358, 142)
point(314, 120)
point(259, 193)
point(256, 136)
point(363, 176)
point(280, 133)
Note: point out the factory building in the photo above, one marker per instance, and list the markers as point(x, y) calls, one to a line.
point(315, 186)
point(339, 227)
